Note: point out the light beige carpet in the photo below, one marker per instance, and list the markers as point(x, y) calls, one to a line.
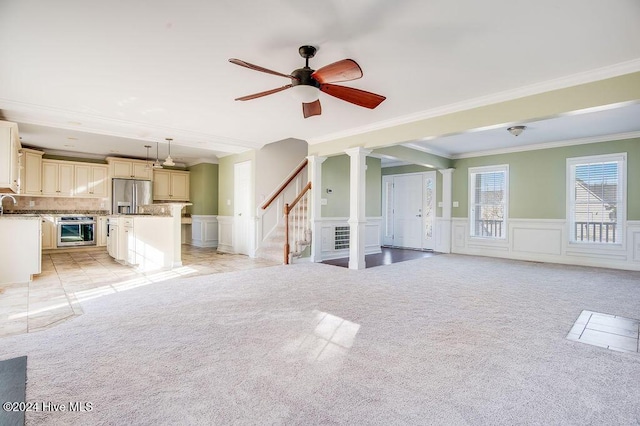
point(444, 340)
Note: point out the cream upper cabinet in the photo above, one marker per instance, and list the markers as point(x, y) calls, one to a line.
point(129, 169)
point(141, 170)
point(57, 178)
point(9, 157)
point(91, 180)
point(31, 173)
point(170, 185)
point(180, 186)
point(161, 185)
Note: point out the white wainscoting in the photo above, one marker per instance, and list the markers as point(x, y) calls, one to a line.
point(373, 233)
point(442, 235)
point(546, 240)
point(225, 234)
point(204, 231)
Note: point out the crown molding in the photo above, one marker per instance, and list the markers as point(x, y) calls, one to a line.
point(585, 77)
point(549, 145)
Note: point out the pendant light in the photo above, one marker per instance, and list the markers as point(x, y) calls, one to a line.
point(147, 165)
point(169, 160)
point(157, 164)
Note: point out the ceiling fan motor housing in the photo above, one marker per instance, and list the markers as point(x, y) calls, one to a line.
point(303, 77)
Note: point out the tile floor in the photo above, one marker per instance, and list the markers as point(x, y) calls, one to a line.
point(607, 331)
point(68, 278)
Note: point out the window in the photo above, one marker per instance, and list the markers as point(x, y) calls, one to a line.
point(488, 201)
point(596, 205)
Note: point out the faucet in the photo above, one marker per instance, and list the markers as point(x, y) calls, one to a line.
point(2, 197)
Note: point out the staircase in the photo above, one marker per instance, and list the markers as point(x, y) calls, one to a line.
point(284, 231)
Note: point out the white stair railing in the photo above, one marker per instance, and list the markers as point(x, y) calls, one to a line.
point(270, 217)
point(297, 234)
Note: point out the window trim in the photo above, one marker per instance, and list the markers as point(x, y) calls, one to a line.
point(570, 187)
point(488, 169)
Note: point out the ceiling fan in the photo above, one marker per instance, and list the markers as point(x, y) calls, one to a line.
point(307, 82)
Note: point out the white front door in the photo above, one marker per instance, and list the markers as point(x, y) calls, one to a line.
point(407, 208)
point(242, 207)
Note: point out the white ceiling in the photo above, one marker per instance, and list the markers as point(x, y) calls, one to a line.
point(138, 72)
point(583, 127)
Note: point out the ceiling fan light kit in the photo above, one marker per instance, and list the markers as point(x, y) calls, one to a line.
point(516, 130)
point(307, 83)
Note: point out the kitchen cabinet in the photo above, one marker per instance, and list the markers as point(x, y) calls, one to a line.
point(9, 157)
point(130, 169)
point(127, 239)
point(91, 180)
point(49, 237)
point(113, 239)
point(101, 231)
point(57, 178)
point(31, 172)
point(170, 185)
point(20, 249)
point(136, 241)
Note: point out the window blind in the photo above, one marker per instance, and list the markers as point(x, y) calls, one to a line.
point(596, 201)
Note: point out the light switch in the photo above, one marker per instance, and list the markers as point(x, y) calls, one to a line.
point(323, 201)
point(456, 204)
point(440, 204)
point(228, 202)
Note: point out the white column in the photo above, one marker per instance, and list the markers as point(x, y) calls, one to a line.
point(176, 213)
point(357, 217)
point(315, 217)
point(447, 189)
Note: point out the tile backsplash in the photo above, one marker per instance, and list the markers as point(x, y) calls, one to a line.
point(57, 203)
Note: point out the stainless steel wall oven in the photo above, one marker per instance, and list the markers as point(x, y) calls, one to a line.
point(76, 231)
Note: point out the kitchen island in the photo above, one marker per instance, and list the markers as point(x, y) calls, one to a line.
point(148, 241)
point(20, 248)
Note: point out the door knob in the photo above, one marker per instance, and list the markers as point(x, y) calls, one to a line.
point(418, 215)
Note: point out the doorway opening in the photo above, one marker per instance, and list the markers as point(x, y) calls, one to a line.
point(409, 210)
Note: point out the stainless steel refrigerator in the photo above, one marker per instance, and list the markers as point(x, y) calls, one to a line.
point(129, 194)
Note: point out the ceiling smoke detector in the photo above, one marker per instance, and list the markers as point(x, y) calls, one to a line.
point(516, 130)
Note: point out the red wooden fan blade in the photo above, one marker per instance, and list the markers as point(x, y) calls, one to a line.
point(355, 96)
point(312, 108)
point(265, 93)
point(258, 68)
point(344, 70)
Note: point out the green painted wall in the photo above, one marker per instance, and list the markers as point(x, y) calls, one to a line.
point(413, 168)
point(335, 175)
point(537, 179)
point(374, 188)
point(225, 180)
point(203, 189)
